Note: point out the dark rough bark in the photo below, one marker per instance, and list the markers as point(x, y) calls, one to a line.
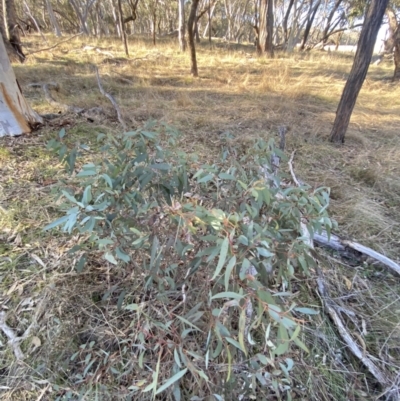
point(362, 59)
point(133, 6)
point(396, 54)
point(13, 29)
point(11, 41)
point(266, 28)
point(310, 21)
point(192, 19)
point(285, 22)
point(328, 27)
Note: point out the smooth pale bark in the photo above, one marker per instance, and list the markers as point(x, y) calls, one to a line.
point(362, 59)
point(181, 29)
point(392, 28)
point(16, 116)
point(53, 19)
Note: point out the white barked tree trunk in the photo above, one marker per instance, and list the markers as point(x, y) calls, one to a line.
point(16, 116)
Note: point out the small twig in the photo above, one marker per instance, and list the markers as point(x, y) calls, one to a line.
point(57, 44)
point(110, 98)
point(13, 339)
point(290, 163)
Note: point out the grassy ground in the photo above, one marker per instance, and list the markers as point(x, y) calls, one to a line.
point(238, 93)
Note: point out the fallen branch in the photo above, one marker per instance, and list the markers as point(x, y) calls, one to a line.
point(110, 98)
point(98, 50)
point(331, 308)
point(344, 247)
point(359, 353)
point(290, 163)
point(57, 44)
point(14, 340)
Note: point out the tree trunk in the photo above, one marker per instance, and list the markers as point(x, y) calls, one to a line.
point(362, 59)
point(196, 31)
point(310, 21)
point(329, 20)
point(285, 22)
point(182, 40)
point(390, 41)
point(16, 116)
point(10, 22)
point(266, 29)
point(122, 28)
point(192, 18)
point(154, 23)
point(82, 18)
point(396, 54)
point(53, 19)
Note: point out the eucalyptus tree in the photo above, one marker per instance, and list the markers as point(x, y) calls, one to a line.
point(192, 46)
point(16, 116)
point(362, 59)
point(266, 27)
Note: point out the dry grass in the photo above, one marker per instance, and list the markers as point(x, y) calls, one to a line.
point(237, 93)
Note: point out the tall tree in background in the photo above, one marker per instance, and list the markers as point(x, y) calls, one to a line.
point(122, 28)
point(192, 20)
point(310, 20)
point(181, 28)
point(362, 59)
point(396, 76)
point(392, 43)
point(53, 19)
point(266, 28)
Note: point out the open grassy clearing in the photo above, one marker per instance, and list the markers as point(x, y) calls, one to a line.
point(237, 93)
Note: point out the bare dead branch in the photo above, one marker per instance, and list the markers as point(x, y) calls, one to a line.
point(290, 163)
point(330, 307)
point(12, 337)
point(347, 338)
point(111, 99)
point(57, 44)
point(341, 245)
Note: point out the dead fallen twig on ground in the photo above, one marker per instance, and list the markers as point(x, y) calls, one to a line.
point(111, 99)
point(334, 311)
point(345, 246)
point(57, 44)
point(14, 340)
point(98, 50)
point(359, 353)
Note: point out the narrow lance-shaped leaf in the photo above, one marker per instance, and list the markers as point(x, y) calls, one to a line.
point(222, 257)
point(171, 381)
